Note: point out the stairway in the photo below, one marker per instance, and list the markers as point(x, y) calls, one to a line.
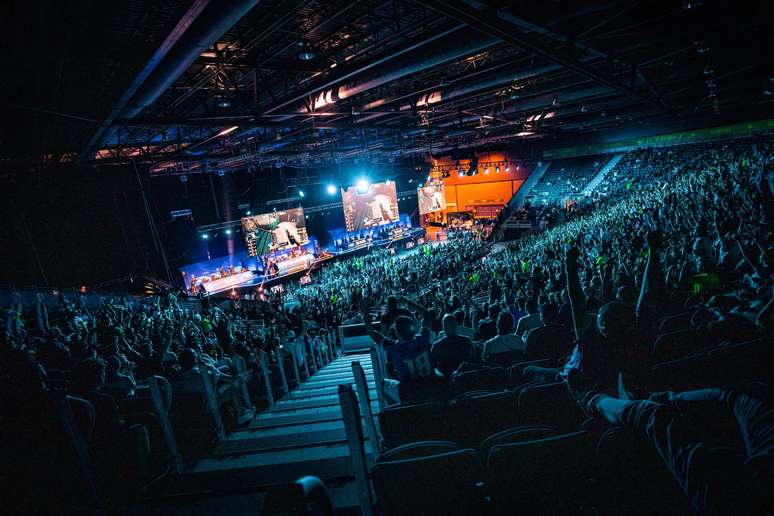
point(517, 201)
point(302, 434)
point(601, 174)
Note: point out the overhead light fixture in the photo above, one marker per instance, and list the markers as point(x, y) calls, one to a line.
point(331, 189)
point(306, 53)
point(461, 173)
point(224, 103)
point(228, 231)
point(507, 168)
point(205, 236)
point(486, 170)
point(362, 185)
point(224, 132)
point(301, 193)
point(497, 169)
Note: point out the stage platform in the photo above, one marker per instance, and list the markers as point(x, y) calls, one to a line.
point(255, 279)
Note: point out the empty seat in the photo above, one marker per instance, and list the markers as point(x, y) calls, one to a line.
point(676, 344)
point(740, 363)
point(514, 435)
point(540, 476)
point(486, 378)
point(432, 477)
point(473, 416)
point(681, 374)
point(549, 403)
point(677, 322)
point(408, 423)
point(514, 372)
point(506, 358)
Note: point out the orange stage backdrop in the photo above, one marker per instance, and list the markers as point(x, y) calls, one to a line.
point(482, 194)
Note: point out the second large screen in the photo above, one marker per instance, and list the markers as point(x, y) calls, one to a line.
point(376, 205)
point(274, 231)
point(431, 198)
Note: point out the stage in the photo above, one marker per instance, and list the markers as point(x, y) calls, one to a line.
point(300, 266)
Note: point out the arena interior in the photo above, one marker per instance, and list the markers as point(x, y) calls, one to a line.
point(398, 257)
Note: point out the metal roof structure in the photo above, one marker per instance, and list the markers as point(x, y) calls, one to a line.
point(198, 85)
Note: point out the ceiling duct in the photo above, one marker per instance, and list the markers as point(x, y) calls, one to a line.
point(214, 21)
point(459, 43)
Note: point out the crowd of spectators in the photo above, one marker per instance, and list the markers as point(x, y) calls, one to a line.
point(582, 302)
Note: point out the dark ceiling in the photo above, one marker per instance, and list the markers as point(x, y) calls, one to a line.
point(189, 86)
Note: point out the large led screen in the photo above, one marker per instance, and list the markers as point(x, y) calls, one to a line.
point(372, 206)
point(275, 231)
point(431, 198)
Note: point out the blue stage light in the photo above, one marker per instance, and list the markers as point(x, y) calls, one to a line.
point(362, 185)
point(228, 231)
point(301, 193)
point(331, 189)
point(205, 236)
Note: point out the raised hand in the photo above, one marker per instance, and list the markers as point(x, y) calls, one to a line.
point(654, 239)
point(571, 258)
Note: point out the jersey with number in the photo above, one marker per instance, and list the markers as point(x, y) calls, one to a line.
point(411, 358)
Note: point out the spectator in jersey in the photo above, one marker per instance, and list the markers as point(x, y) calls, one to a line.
point(448, 352)
point(409, 352)
point(505, 341)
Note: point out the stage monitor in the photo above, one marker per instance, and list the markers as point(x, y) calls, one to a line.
point(275, 231)
point(374, 206)
point(431, 198)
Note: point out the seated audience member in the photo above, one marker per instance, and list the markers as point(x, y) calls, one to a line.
point(729, 475)
point(448, 352)
point(550, 340)
point(487, 327)
point(409, 352)
point(462, 330)
point(529, 321)
point(188, 378)
point(117, 383)
point(505, 341)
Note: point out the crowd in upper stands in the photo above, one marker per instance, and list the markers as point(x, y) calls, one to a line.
point(680, 240)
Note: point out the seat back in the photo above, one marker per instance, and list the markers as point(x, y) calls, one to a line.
point(515, 378)
point(486, 378)
point(426, 478)
point(681, 321)
point(409, 423)
point(506, 358)
point(676, 344)
point(550, 404)
point(740, 363)
point(470, 418)
point(514, 435)
point(681, 374)
point(541, 476)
